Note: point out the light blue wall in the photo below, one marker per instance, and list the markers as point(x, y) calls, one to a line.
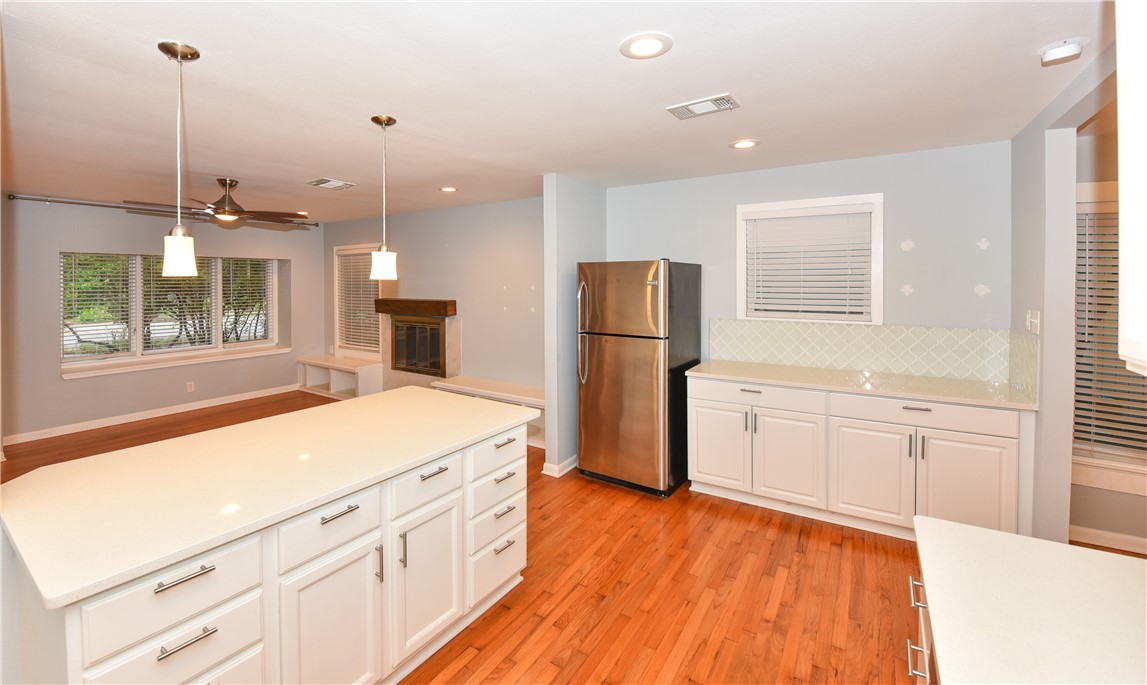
point(488, 257)
point(944, 201)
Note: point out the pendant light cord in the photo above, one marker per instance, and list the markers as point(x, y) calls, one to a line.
point(179, 149)
point(384, 247)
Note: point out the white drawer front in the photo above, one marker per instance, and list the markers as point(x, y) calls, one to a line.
point(426, 483)
point(954, 417)
point(768, 396)
point(191, 649)
point(326, 527)
point(496, 487)
point(496, 522)
point(245, 670)
point(123, 618)
point(497, 564)
point(497, 452)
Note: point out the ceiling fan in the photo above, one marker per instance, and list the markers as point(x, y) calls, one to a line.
point(226, 210)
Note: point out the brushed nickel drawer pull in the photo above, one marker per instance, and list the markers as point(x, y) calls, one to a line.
point(402, 559)
point(203, 569)
point(909, 407)
point(428, 476)
point(912, 672)
point(381, 560)
point(509, 474)
point(508, 509)
point(755, 392)
point(912, 585)
point(324, 520)
point(504, 546)
point(507, 441)
point(164, 652)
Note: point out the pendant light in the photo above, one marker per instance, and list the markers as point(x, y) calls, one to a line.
point(383, 262)
point(178, 245)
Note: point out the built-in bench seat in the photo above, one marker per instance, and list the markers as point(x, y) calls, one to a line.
point(502, 391)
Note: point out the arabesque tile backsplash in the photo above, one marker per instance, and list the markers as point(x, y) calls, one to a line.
point(984, 354)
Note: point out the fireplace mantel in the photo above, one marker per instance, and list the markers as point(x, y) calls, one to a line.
point(411, 307)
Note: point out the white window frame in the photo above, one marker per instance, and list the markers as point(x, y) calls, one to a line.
point(844, 204)
point(340, 350)
point(138, 359)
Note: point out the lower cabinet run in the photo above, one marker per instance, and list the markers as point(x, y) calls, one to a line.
point(359, 590)
point(854, 459)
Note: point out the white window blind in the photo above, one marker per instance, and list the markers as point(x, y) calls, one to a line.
point(95, 305)
point(811, 262)
point(1110, 401)
point(357, 323)
point(247, 288)
point(177, 312)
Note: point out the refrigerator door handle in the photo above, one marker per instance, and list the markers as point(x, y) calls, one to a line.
point(582, 350)
point(582, 324)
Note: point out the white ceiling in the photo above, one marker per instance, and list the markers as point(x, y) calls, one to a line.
point(490, 96)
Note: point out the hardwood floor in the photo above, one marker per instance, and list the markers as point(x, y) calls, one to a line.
point(24, 457)
point(623, 587)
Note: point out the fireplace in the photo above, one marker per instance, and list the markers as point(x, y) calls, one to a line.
point(418, 345)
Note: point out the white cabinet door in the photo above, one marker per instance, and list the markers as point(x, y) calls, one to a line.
point(332, 618)
point(720, 444)
point(872, 470)
point(427, 574)
point(967, 478)
point(789, 456)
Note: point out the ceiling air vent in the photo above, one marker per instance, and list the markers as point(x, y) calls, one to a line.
point(716, 103)
point(331, 183)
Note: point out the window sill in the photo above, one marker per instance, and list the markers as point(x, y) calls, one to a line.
point(113, 366)
point(1109, 474)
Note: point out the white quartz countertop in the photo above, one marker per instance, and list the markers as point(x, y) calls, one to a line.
point(84, 526)
point(983, 393)
point(1012, 609)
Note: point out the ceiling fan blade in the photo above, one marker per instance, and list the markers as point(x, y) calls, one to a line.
point(205, 204)
point(275, 216)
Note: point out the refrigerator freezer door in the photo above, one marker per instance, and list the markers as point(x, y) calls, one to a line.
point(622, 429)
point(623, 298)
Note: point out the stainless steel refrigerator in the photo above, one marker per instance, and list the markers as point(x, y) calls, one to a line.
point(639, 330)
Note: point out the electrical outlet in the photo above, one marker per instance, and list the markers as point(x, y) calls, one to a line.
point(1033, 320)
point(190, 386)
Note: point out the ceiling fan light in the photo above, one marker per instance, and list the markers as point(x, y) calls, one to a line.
point(225, 215)
point(179, 254)
point(383, 265)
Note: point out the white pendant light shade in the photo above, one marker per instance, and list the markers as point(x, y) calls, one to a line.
point(179, 254)
point(383, 265)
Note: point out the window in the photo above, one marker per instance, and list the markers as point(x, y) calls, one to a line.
point(819, 259)
point(120, 306)
point(1110, 401)
point(356, 322)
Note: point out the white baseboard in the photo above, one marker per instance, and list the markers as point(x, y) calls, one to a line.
point(1106, 538)
point(559, 470)
point(140, 415)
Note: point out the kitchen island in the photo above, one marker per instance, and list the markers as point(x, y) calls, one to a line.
point(385, 477)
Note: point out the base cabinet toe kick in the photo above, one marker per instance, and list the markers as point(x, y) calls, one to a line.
point(360, 589)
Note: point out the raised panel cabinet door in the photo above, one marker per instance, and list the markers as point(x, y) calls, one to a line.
point(720, 447)
point(968, 478)
point(332, 618)
point(428, 568)
point(872, 470)
point(789, 456)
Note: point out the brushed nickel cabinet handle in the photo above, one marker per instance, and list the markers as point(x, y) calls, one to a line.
point(755, 392)
point(324, 520)
point(909, 407)
point(912, 672)
point(203, 569)
point(402, 559)
point(504, 546)
point(912, 585)
point(754, 424)
point(923, 442)
point(164, 652)
point(508, 509)
point(509, 474)
point(746, 422)
point(381, 574)
point(507, 441)
point(428, 476)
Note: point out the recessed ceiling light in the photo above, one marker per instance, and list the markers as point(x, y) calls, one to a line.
point(448, 189)
point(646, 45)
point(744, 143)
point(1061, 51)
